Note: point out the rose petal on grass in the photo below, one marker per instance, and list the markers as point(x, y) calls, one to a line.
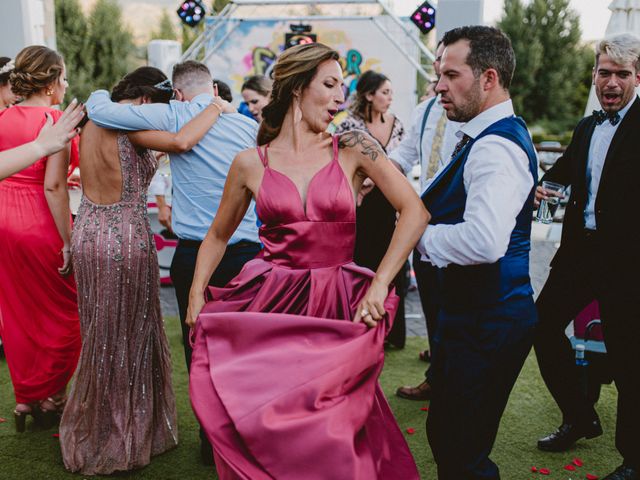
point(425, 409)
point(534, 469)
point(2, 420)
point(570, 467)
point(545, 471)
point(577, 462)
point(411, 431)
point(591, 476)
point(56, 435)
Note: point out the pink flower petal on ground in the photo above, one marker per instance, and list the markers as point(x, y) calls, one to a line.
point(56, 435)
point(545, 471)
point(2, 420)
point(590, 476)
point(411, 431)
point(534, 469)
point(570, 467)
point(577, 462)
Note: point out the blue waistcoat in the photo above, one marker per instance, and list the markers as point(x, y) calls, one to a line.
point(484, 285)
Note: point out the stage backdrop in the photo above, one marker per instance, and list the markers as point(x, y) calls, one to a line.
point(244, 47)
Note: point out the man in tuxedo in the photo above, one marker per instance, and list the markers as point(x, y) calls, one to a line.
point(599, 257)
point(479, 239)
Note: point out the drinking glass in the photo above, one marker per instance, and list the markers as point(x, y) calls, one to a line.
point(547, 208)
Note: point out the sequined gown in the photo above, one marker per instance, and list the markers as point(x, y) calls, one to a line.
point(121, 409)
point(282, 381)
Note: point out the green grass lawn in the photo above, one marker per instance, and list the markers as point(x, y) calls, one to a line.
point(531, 413)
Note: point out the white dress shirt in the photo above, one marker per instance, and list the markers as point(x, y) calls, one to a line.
point(407, 154)
point(497, 180)
point(598, 148)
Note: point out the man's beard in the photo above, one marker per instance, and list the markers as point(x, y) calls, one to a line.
point(469, 107)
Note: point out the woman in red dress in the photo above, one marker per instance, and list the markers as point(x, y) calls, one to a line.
point(38, 302)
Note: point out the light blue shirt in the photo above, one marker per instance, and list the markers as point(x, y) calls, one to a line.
point(598, 148)
point(198, 175)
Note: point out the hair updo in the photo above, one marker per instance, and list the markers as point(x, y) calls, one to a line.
point(293, 71)
point(4, 77)
point(143, 82)
point(259, 84)
point(36, 68)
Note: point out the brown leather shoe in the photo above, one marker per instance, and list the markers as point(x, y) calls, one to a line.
point(421, 392)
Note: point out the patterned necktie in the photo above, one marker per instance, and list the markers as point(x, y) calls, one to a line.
point(460, 145)
point(436, 147)
point(600, 117)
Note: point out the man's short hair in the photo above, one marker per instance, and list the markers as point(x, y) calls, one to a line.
point(190, 74)
point(488, 48)
point(622, 49)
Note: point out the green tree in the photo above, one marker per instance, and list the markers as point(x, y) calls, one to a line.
point(72, 40)
point(550, 72)
point(110, 44)
point(166, 28)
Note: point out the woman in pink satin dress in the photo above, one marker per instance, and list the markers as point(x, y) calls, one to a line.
point(287, 355)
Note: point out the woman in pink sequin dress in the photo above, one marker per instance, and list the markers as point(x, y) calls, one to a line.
point(287, 355)
point(121, 409)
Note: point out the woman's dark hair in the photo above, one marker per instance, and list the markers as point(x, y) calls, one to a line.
point(258, 83)
point(4, 77)
point(36, 68)
point(224, 92)
point(143, 82)
point(368, 83)
point(293, 72)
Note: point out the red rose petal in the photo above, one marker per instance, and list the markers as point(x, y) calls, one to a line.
point(545, 471)
point(591, 476)
point(411, 431)
point(425, 409)
point(534, 469)
point(570, 467)
point(56, 435)
point(2, 420)
point(577, 462)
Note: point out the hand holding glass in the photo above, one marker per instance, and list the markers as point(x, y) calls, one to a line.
point(548, 206)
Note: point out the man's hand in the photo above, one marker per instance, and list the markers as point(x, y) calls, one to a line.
point(164, 216)
point(225, 106)
point(365, 189)
point(542, 194)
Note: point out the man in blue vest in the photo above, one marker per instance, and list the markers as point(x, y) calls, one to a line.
point(479, 238)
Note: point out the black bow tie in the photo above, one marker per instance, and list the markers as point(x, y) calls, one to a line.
point(601, 116)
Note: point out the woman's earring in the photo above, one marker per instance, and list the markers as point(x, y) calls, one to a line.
point(297, 113)
point(48, 92)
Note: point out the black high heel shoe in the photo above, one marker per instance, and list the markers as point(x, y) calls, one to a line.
point(51, 411)
point(20, 416)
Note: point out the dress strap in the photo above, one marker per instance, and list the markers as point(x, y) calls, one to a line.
point(335, 148)
point(263, 156)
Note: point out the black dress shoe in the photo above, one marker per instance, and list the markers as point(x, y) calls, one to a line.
point(623, 472)
point(568, 434)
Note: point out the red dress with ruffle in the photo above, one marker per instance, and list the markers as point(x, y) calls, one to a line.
point(282, 381)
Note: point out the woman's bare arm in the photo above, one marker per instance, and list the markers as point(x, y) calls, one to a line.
point(236, 198)
point(412, 219)
point(57, 195)
point(186, 138)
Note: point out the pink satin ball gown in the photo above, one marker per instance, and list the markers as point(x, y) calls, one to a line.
point(283, 382)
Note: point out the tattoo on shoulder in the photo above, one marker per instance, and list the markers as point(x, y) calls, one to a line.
point(363, 142)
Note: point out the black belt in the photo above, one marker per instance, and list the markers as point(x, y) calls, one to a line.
point(196, 244)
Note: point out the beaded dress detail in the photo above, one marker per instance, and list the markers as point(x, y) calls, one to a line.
point(121, 409)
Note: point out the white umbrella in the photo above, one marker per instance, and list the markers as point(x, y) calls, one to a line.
point(625, 18)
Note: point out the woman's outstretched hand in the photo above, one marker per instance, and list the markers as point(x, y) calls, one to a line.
point(196, 302)
point(371, 308)
point(54, 137)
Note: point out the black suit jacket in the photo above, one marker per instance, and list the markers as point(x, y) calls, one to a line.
point(617, 207)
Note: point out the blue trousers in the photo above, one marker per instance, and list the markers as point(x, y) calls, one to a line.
point(476, 359)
